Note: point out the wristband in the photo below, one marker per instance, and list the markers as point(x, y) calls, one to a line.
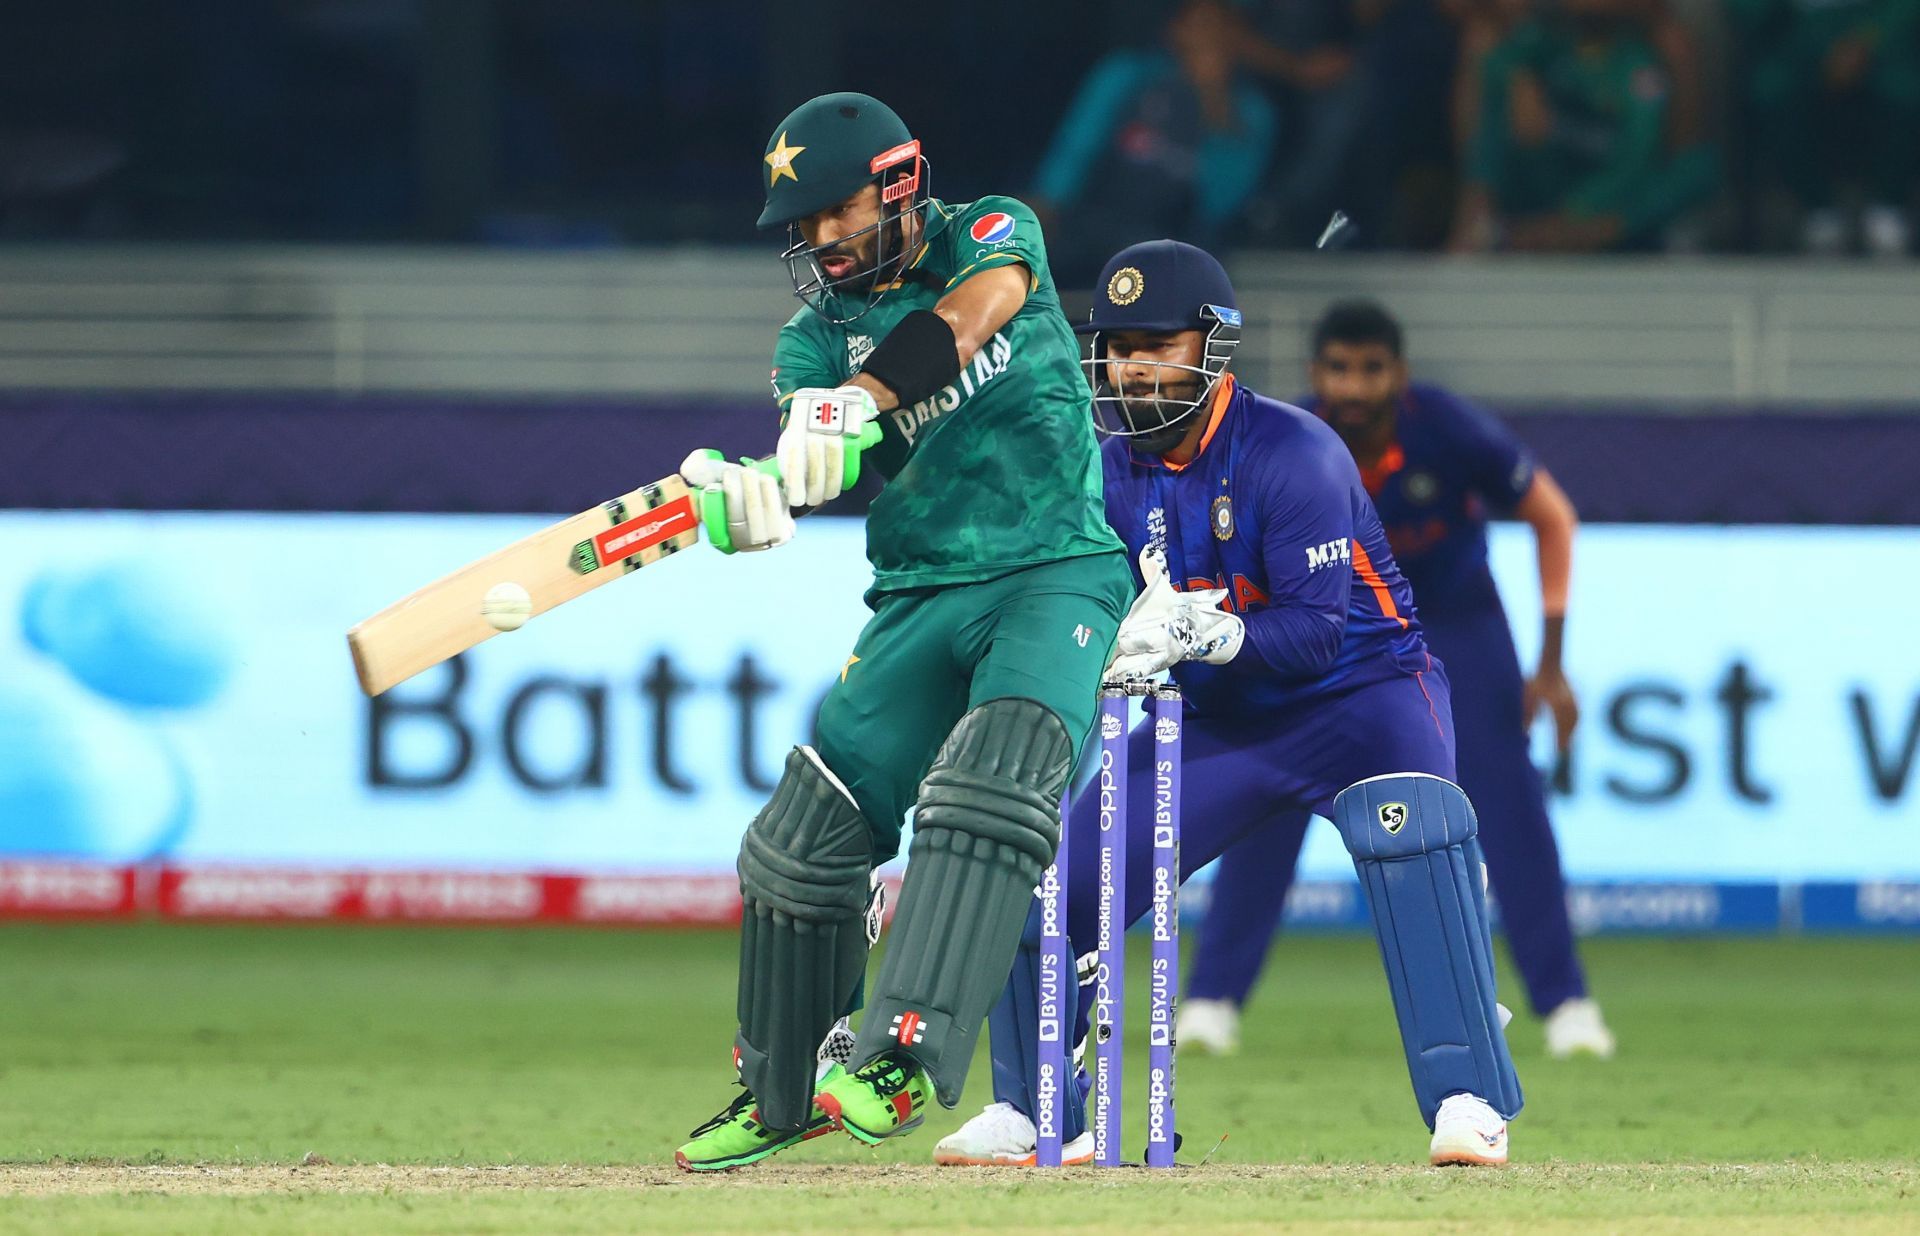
point(917, 358)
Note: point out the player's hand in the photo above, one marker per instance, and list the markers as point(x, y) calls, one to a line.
point(754, 517)
point(1550, 687)
point(1164, 627)
point(813, 447)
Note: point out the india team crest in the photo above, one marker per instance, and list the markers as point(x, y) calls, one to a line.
point(1223, 518)
point(992, 229)
point(1126, 285)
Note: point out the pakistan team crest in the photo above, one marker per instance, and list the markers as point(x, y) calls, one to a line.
point(1126, 285)
point(1222, 518)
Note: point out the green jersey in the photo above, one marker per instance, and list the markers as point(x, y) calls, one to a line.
point(999, 470)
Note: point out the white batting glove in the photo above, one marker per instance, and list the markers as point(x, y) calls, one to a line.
point(1165, 627)
point(756, 517)
point(812, 449)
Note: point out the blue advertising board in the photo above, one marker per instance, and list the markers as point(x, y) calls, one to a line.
point(178, 685)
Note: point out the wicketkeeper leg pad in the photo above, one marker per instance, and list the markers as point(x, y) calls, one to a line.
point(1413, 841)
point(803, 940)
point(987, 824)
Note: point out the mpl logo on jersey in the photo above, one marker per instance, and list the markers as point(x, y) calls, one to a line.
point(1326, 555)
point(995, 229)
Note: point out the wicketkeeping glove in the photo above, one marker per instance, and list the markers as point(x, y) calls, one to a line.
point(1165, 627)
point(812, 451)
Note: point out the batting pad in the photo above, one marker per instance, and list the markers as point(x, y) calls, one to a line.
point(1413, 841)
point(987, 823)
point(803, 937)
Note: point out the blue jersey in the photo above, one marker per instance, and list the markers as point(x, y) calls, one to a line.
point(1271, 509)
point(1448, 465)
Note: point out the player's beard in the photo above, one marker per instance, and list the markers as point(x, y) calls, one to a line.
point(1364, 427)
point(1160, 416)
point(866, 254)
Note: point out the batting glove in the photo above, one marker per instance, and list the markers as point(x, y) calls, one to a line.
point(756, 517)
point(813, 450)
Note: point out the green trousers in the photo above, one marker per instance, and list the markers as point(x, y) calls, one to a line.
point(928, 656)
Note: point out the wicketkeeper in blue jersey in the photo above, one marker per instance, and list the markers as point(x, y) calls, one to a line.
point(1270, 594)
point(1436, 466)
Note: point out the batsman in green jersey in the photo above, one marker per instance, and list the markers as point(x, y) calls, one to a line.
point(997, 591)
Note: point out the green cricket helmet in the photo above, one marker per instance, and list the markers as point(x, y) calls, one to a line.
point(824, 152)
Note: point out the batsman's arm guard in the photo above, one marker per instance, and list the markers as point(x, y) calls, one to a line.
point(987, 824)
point(804, 892)
point(1413, 838)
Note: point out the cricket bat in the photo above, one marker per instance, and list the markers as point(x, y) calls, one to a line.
point(555, 565)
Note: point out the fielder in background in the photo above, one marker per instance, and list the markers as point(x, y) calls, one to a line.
point(1435, 465)
point(998, 589)
point(1271, 595)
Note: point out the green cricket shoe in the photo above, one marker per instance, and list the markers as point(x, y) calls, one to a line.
point(735, 1137)
point(882, 1098)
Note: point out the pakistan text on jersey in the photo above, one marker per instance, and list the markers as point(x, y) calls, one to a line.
point(988, 363)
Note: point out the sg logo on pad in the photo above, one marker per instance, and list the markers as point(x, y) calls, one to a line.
point(1393, 816)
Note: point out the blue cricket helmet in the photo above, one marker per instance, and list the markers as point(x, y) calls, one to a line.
point(1161, 287)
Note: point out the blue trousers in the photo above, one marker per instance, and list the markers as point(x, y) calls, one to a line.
point(1242, 778)
point(1523, 862)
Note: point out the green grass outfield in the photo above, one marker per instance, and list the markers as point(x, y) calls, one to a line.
point(172, 1078)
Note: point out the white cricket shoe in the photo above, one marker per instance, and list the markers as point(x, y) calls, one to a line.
point(1466, 1132)
point(1211, 1026)
point(1576, 1027)
point(1002, 1136)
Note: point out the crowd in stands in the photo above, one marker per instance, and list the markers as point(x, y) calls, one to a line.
point(1460, 125)
point(1562, 126)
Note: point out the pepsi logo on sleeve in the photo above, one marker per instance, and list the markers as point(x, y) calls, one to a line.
point(992, 229)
